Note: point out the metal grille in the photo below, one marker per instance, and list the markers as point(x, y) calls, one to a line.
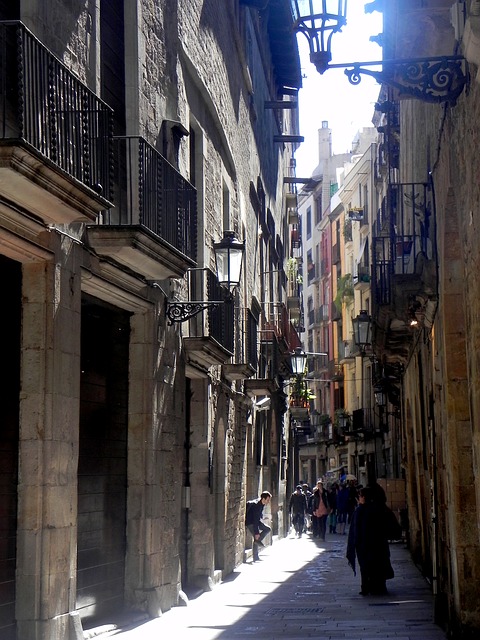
point(46, 106)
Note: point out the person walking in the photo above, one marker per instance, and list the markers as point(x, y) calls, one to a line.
point(320, 511)
point(308, 514)
point(368, 543)
point(332, 503)
point(352, 499)
point(297, 508)
point(254, 523)
point(342, 508)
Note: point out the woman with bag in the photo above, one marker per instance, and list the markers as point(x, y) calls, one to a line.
point(320, 511)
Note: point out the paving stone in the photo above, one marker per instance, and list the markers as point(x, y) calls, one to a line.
point(302, 589)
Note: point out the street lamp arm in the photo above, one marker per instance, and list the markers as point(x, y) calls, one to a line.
point(436, 80)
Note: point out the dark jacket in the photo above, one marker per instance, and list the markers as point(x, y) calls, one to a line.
point(342, 500)
point(368, 542)
point(298, 503)
point(253, 514)
point(332, 499)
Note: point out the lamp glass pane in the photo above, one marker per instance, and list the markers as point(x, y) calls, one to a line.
point(236, 257)
point(221, 258)
point(361, 328)
point(299, 360)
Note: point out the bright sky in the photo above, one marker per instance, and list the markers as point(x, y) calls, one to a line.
point(331, 97)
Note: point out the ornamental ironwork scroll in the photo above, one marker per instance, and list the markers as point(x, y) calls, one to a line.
point(435, 80)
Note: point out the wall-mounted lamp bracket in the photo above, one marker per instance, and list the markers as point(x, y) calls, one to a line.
point(228, 259)
point(436, 80)
point(181, 311)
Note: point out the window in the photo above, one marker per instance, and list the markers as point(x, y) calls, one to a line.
point(309, 222)
point(318, 208)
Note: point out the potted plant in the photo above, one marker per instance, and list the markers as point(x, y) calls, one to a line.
point(300, 400)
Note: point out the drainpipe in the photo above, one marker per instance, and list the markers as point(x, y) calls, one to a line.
point(187, 486)
point(433, 499)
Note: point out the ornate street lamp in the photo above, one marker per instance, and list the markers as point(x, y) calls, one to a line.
point(362, 328)
point(299, 361)
point(229, 254)
point(435, 79)
point(318, 20)
point(228, 260)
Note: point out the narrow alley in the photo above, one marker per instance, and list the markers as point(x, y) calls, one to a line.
point(301, 588)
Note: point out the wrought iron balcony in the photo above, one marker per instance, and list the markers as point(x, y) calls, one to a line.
point(276, 325)
point(245, 360)
point(153, 227)
point(404, 273)
point(211, 332)
point(278, 339)
point(55, 134)
point(267, 381)
point(361, 279)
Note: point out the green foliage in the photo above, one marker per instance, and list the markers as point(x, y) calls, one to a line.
point(344, 290)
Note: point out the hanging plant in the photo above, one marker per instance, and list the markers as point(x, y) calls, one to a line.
point(344, 291)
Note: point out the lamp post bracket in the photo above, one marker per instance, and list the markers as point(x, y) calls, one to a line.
point(181, 311)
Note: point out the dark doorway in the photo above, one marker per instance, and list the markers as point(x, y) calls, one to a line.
point(102, 463)
point(9, 9)
point(10, 326)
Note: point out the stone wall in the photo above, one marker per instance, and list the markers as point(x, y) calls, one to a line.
point(441, 395)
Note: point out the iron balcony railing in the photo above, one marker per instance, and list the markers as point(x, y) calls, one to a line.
point(216, 321)
point(247, 341)
point(46, 107)
point(277, 325)
point(149, 191)
point(362, 421)
point(403, 227)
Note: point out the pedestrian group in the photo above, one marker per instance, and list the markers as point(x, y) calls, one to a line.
point(371, 525)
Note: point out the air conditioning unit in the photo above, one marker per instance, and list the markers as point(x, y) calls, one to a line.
point(355, 214)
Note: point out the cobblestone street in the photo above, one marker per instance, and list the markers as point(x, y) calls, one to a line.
point(302, 589)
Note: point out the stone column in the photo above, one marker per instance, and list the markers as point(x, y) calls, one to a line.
point(48, 452)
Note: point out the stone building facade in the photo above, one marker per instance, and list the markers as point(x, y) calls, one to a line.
point(422, 297)
point(133, 136)
point(428, 329)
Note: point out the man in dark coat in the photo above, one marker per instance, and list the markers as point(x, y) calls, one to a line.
point(297, 508)
point(253, 521)
point(368, 542)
